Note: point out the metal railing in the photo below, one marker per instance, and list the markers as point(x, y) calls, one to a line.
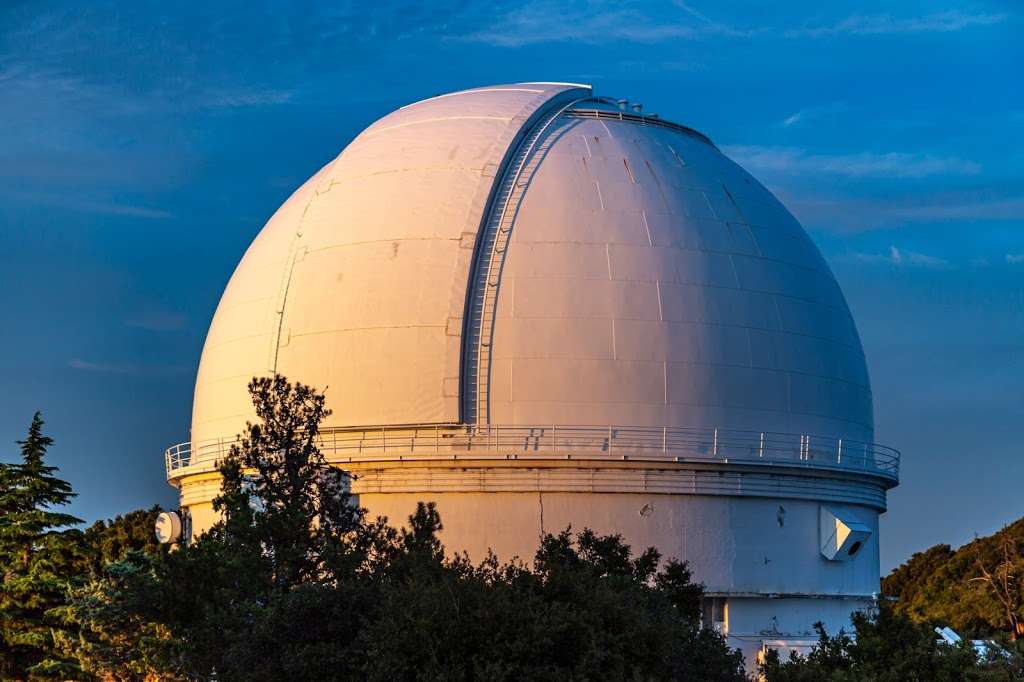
point(638, 118)
point(492, 441)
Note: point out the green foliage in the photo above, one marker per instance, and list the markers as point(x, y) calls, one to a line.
point(107, 542)
point(302, 515)
point(115, 638)
point(586, 610)
point(294, 583)
point(946, 586)
point(108, 635)
point(39, 558)
point(887, 647)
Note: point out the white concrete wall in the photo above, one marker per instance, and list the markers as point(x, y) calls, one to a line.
point(752, 623)
point(733, 545)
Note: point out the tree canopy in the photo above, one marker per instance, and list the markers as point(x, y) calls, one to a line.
point(40, 555)
point(947, 586)
point(886, 646)
point(294, 582)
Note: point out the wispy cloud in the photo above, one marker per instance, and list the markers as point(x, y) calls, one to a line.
point(1015, 258)
point(542, 21)
point(900, 258)
point(885, 24)
point(102, 367)
point(84, 205)
point(795, 118)
point(792, 160)
point(809, 113)
point(234, 99)
point(857, 214)
point(125, 368)
point(121, 209)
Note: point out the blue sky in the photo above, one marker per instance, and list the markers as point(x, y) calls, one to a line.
point(143, 145)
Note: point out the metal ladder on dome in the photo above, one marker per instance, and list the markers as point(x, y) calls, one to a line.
point(487, 276)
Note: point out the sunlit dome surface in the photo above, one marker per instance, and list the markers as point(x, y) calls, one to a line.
point(625, 272)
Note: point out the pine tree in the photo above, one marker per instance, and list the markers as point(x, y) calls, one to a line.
point(39, 557)
point(280, 495)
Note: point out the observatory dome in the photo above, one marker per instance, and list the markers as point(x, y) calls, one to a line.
point(538, 308)
point(529, 254)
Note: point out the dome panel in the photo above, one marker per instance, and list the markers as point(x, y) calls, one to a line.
point(578, 298)
point(737, 307)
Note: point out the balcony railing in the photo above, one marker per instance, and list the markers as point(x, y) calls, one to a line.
point(646, 444)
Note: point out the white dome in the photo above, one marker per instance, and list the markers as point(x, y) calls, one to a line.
point(619, 270)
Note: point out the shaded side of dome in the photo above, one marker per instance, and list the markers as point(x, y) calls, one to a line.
point(650, 281)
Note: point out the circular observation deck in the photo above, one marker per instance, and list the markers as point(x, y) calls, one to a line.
point(453, 442)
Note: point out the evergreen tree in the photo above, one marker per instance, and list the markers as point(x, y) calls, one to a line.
point(116, 636)
point(279, 490)
point(39, 558)
point(108, 542)
point(293, 583)
point(286, 527)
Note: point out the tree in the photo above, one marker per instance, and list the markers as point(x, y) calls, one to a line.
point(295, 583)
point(907, 580)
point(588, 609)
point(108, 542)
point(39, 558)
point(1004, 582)
point(108, 634)
point(287, 528)
point(949, 587)
point(304, 508)
point(117, 631)
point(887, 647)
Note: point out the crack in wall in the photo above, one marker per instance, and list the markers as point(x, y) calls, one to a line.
point(540, 501)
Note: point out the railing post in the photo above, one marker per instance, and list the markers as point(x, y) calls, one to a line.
point(609, 439)
point(714, 444)
point(760, 449)
point(437, 438)
point(384, 441)
point(839, 452)
point(554, 442)
point(664, 439)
